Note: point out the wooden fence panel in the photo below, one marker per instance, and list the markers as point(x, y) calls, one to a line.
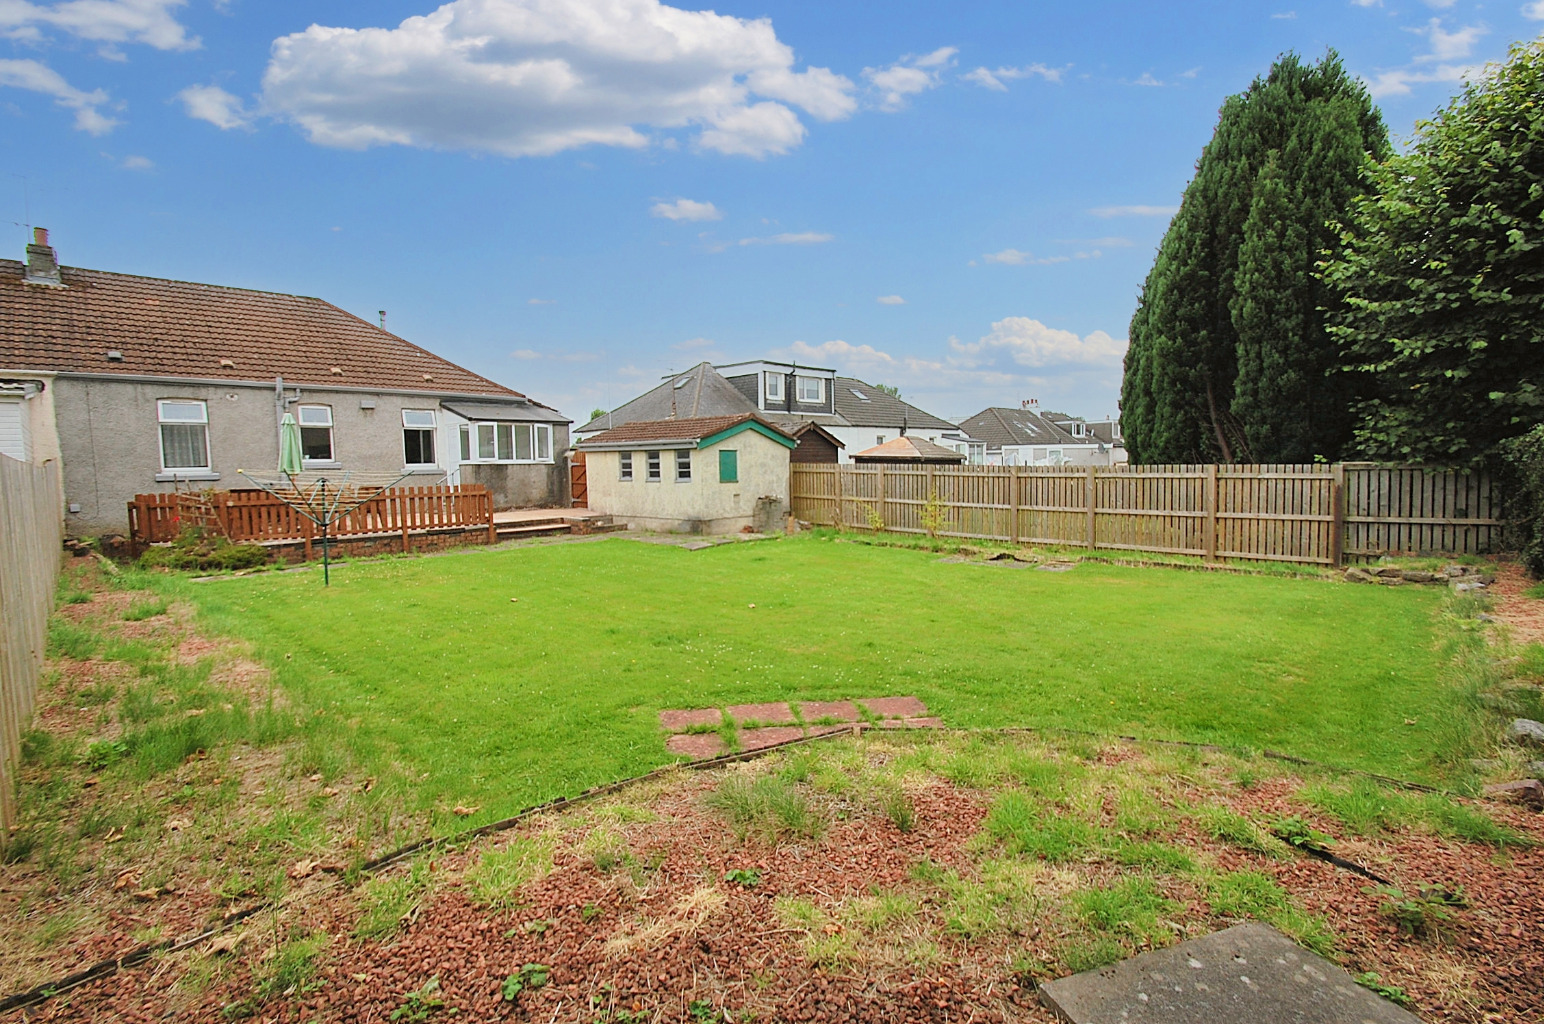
point(1315, 514)
point(31, 535)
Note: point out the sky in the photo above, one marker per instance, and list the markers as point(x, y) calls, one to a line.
point(576, 197)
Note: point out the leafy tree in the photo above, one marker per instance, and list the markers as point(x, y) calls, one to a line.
point(889, 389)
point(1229, 357)
point(596, 414)
point(1439, 278)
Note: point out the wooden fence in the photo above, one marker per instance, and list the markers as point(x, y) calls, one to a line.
point(1324, 514)
point(31, 535)
point(253, 517)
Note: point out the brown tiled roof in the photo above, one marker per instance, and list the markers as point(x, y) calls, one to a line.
point(909, 449)
point(650, 431)
point(177, 329)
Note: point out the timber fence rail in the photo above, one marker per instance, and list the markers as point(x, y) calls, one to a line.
point(31, 539)
point(1314, 514)
point(255, 517)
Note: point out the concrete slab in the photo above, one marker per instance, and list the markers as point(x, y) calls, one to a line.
point(696, 745)
point(895, 707)
point(764, 714)
point(1247, 974)
point(841, 710)
point(680, 721)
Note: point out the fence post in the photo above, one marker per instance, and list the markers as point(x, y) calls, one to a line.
point(1091, 508)
point(1013, 504)
point(402, 514)
point(309, 529)
point(879, 504)
point(841, 518)
point(1209, 499)
point(486, 506)
point(1337, 513)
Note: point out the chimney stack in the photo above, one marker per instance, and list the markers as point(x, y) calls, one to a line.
point(42, 263)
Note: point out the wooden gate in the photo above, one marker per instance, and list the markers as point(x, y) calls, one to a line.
point(578, 486)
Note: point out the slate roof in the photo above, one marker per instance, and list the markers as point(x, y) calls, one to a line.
point(908, 449)
point(877, 409)
point(998, 426)
point(669, 432)
point(702, 391)
point(180, 329)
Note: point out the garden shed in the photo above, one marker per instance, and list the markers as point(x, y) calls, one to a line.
point(714, 474)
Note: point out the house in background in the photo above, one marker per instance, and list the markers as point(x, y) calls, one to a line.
point(909, 451)
point(1027, 436)
point(138, 384)
point(704, 474)
point(852, 415)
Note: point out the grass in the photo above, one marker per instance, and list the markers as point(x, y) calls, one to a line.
point(1369, 809)
point(496, 878)
point(765, 807)
point(522, 702)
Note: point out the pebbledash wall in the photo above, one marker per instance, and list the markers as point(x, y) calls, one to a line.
point(109, 440)
point(702, 504)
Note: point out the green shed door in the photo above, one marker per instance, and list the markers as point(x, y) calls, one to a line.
point(728, 466)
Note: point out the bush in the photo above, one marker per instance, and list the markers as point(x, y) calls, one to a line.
point(196, 550)
point(1525, 456)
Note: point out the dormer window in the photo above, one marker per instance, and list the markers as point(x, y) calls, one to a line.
point(811, 390)
point(774, 387)
point(1079, 430)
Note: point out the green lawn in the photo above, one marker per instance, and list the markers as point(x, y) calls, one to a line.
point(502, 703)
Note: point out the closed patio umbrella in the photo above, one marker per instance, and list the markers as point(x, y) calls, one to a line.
point(290, 455)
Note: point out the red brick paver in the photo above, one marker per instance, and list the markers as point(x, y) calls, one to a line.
point(895, 707)
point(696, 745)
point(766, 714)
point(755, 739)
point(680, 721)
point(841, 710)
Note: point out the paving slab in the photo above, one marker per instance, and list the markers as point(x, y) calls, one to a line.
point(1247, 974)
point(841, 710)
point(766, 714)
point(831, 730)
point(680, 721)
point(756, 739)
point(895, 707)
point(696, 746)
point(912, 723)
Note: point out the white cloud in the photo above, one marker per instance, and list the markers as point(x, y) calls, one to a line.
point(1285, 16)
point(1450, 46)
point(541, 302)
point(1018, 258)
point(1399, 81)
point(994, 80)
point(525, 353)
point(1441, 64)
point(1534, 11)
point(213, 104)
point(693, 343)
point(686, 209)
point(138, 163)
point(1193, 72)
point(790, 238)
point(40, 78)
point(1134, 211)
point(1147, 79)
point(1031, 343)
point(537, 77)
point(105, 21)
point(908, 76)
point(890, 300)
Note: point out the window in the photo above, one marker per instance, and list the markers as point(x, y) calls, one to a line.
point(418, 437)
point(683, 466)
point(879, 439)
point(811, 389)
point(514, 442)
point(315, 432)
point(626, 472)
point(1079, 429)
point(728, 466)
point(466, 443)
point(184, 434)
point(653, 458)
point(861, 396)
point(774, 387)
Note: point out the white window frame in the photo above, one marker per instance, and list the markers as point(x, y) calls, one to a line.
point(163, 420)
point(332, 440)
point(653, 467)
point(879, 439)
point(505, 436)
point(820, 390)
point(432, 426)
point(774, 386)
point(625, 467)
point(1079, 429)
point(683, 460)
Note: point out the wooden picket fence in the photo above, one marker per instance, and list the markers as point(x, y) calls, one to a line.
point(1316, 514)
point(31, 535)
point(256, 517)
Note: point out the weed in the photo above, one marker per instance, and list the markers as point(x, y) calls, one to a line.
point(1393, 993)
point(422, 1003)
point(531, 976)
point(1468, 824)
point(1426, 912)
point(496, 879)
point(881, 912)
point(1028, 829)
point(389, 901)
point(1365, 808)
point(747, 877)
point(589, 912)
point(897, 807)
point(1090, 952)
point(703, 1011)
point(139, 611)
point(1246, 894)
point(1232, 827)
point(293, 968)
point(1161, 856)
point(934, 515)
point(1132, 907)
point(766, 807)
point(68, 640)
point(1311, 931)
point(1294, 831)
point(104, 753)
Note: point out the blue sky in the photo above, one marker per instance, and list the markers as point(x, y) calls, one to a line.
point(574, 197)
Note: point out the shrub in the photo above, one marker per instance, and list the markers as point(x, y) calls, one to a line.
point(196, 550)
point(1525, 456)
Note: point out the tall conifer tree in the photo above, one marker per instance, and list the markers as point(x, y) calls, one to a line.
point(1229, 360)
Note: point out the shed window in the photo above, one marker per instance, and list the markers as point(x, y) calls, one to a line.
point(683, 465)
point(184, 434)
point(728, 466)
point(626, 464)
point(653, 464)
point(315, 432)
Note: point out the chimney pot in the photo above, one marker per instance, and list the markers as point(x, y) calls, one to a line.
point(40, 236)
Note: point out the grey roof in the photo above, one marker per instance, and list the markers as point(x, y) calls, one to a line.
point(877, 409)
point(999, 426)
point(702, 392)
point(515, 412)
